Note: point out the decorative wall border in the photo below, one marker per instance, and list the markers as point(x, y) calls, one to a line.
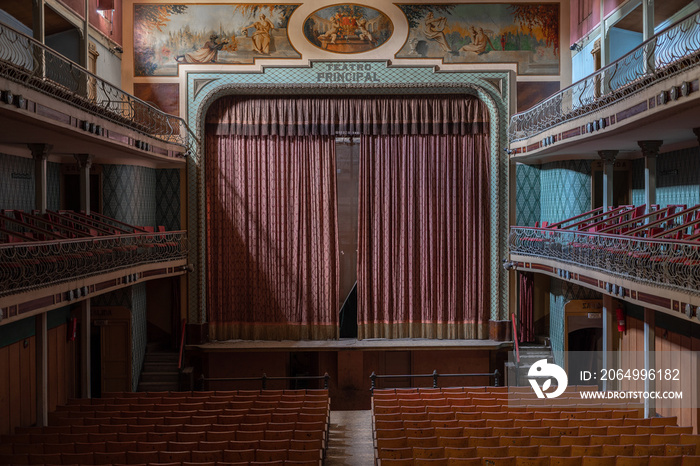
point(492, 87)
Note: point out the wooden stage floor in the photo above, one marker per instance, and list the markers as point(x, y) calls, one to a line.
point(350, 344)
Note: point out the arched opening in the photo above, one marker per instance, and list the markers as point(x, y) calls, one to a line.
point(423, 267)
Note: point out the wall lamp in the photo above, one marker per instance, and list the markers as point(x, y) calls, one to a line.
point(575, 47)
point(509, 265)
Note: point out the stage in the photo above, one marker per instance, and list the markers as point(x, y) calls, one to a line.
point(349, 363)
point(351, 344)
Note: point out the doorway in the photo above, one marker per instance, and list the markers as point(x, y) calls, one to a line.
point(71, 192)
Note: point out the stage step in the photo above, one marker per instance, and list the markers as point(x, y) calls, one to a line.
point(160, 371)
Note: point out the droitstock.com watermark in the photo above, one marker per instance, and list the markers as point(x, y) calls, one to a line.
point(621, 379)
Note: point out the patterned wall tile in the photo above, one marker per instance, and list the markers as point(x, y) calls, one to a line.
point(677, 178)
point(527, 196)
point(560, 293)
point(16, 182)
point(565, 189)
point(54, 186)
point(121, 297)
point(129, 194)
point(168, 198)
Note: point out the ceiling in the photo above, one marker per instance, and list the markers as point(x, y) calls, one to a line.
point(663, 10)
point(22, 11)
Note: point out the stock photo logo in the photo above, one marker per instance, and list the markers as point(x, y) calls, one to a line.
point(542, 369)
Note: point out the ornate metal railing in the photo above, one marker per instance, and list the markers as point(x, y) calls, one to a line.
point(30, 265)
point(29, 62)
point(668, 53)
point(668, 263)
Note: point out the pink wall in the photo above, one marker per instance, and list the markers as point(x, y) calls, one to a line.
point(113, 31)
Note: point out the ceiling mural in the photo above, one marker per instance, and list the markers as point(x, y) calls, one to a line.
point(348, 28)
point(523, 33)
point(237, 33)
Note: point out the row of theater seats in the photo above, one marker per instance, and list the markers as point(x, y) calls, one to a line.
point(189, 428)
point(497, 427)
point(674, 221)
point(17, 226)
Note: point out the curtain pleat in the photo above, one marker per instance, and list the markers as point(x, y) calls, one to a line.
point(324, 115)
point(272, 242)
point(423, 262)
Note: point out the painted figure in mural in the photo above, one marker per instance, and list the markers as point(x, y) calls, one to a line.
point(261, 36)
point(433, 29)
point(332, 33)
point(364, 32)
point(479, 42)
point(206, 54)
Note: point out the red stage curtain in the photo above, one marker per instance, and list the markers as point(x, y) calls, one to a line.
point(272, 242)
point(423, 263)
point(527, 306)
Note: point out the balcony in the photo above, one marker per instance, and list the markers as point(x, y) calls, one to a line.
point(649, 93)
point(51, 260)
point(650, 258)
point(78, 111)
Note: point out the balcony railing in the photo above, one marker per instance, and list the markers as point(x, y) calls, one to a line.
point(29, 62)
point(668, 53)
point(673, 264)
point(30, 265)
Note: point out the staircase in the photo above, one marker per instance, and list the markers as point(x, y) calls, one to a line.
point(159, 372)
point(529, 354)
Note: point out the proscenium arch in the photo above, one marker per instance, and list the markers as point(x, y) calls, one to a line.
point(204, 88)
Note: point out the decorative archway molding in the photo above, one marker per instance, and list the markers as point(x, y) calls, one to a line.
point(359, 78)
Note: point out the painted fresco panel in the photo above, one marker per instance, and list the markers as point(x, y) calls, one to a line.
point(236, 33)
point(348, 28)
point(523, 33)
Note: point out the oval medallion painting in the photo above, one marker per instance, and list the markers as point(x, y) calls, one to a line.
point(348, 28)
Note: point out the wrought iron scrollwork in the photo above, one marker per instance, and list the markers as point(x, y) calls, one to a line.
point(28, 62)
point(29, 265)
point(667, 54)
point(672, 264)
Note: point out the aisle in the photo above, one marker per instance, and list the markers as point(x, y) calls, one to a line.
point(350, 440)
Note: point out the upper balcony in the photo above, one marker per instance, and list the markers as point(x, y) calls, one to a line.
point(650, 93)
point(647, 256)
point(44, 97)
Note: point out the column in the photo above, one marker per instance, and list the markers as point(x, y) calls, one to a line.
point(84, 164)
point(40, 152)
point(608, 338)
point(38, 20)
point(604, 47)
point(649, 362)
point(650, 149)
point(85, 373)
point(85, 42)
point(608, 157)
point(42, 372)
point(38, 32)
point(648, 33)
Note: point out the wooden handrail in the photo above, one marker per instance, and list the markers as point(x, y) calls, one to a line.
point(637, 219)
point(590, 212)
point(612, 214)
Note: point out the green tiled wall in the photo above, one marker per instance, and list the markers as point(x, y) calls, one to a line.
point(129, 194)
point(560, 293)
point(17, 183)
point(677, 178)
point(565, 189)
point(527, 197)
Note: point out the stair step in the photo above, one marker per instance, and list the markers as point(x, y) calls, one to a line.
point(149, 366)
point(160, 377)
point(157, 387)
